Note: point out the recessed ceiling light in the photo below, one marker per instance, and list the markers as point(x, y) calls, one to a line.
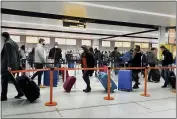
point(125, 9)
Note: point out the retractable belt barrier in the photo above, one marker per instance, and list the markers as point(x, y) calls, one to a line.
point(108, 97)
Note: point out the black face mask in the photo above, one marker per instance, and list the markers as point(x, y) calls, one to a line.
point(43, 44)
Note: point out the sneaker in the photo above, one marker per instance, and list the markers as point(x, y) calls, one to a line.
point(150, 81)
point(87, 90)
point(135, 86)
point(42, 86)
point(3, 98)
point(164, 86)
point(19, 96)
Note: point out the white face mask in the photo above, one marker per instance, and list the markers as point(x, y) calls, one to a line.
point(82, 51)
point(56, 46)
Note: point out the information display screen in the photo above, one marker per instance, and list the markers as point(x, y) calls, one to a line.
point(15, 38)
point(30, 39)
point(126, 44)
point(86, 42)
point(106, 43)
point(60, 41)
point(144, 45)
point(118, 44)
point(70, 41)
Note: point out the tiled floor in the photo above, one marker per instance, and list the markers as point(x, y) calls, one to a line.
point(161, 104)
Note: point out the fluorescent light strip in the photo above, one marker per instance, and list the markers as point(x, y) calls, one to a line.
point(69, 28)
point(54, 35)
point(125, 9)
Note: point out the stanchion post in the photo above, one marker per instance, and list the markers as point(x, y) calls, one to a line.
point(108, 88)
point(145, 94)
point(51, 103)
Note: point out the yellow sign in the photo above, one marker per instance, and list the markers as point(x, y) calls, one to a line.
point(74, 10)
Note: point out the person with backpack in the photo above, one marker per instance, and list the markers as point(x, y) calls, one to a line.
point(10, 60)
point(152, 62)
point(167, 61)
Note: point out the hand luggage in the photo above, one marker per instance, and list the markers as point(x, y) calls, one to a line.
point(70, 65)
point(103, 78)
point(172, 79)
point(125, 80)
point(69, 83)
point(47, 78)
point(155, 75)
point(29, 88)
point(63, 74)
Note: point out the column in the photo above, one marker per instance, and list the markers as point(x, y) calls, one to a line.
point(95, 44)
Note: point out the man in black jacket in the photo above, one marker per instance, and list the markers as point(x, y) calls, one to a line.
point(167, 61)
point(55, 53)
point(10, 60)
point(87, 61)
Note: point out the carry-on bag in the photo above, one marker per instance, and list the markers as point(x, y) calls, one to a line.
point(68, 84)
point(125, 80)
point(47, 78)
point(103, 78)
point(172, 79)
point(156, 75)
point(29, 88)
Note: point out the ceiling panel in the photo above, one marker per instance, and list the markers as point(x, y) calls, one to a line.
point(108, 14)
point(50, 24)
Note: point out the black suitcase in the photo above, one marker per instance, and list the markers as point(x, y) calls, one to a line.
point(172, 79)
point(156, 75)
point(29, 88)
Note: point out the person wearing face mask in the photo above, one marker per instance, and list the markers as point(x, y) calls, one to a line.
point(87, 61)
point(56, 54)
point(39, 60)
point(10, 60)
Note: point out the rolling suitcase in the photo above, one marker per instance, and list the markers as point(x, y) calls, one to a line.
point(156, 75)
point(63, 74)
point(47, 78)
point(29, 88)
point(69, 83)
point(125, 80)
point(103, 78)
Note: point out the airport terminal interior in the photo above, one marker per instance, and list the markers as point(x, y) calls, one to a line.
point(106, 27)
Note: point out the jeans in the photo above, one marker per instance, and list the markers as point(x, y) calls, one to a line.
point(38, 73)
point(4, 83)
point(86, 78)
point(151, 71)
point(165, 76)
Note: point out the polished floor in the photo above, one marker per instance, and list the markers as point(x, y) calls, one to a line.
point(76, 104)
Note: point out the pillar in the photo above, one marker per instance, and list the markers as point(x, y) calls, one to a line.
point(95, 43)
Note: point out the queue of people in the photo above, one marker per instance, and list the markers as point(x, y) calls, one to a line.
point(12, 59)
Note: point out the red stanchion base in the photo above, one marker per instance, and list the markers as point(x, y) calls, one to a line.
point(50, 103)
point(108, 98)
point(173, 91)
point(145, 95)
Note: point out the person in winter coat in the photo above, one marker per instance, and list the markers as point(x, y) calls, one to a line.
point(10, 60)
point(115, 56)
point(56, 54)
point(87, 61)
point(39, 59)
point(167, 61)
point(151, 61)
point(31, 57)
point(136, 62)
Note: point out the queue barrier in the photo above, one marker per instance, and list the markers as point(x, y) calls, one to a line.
point(108, 97)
